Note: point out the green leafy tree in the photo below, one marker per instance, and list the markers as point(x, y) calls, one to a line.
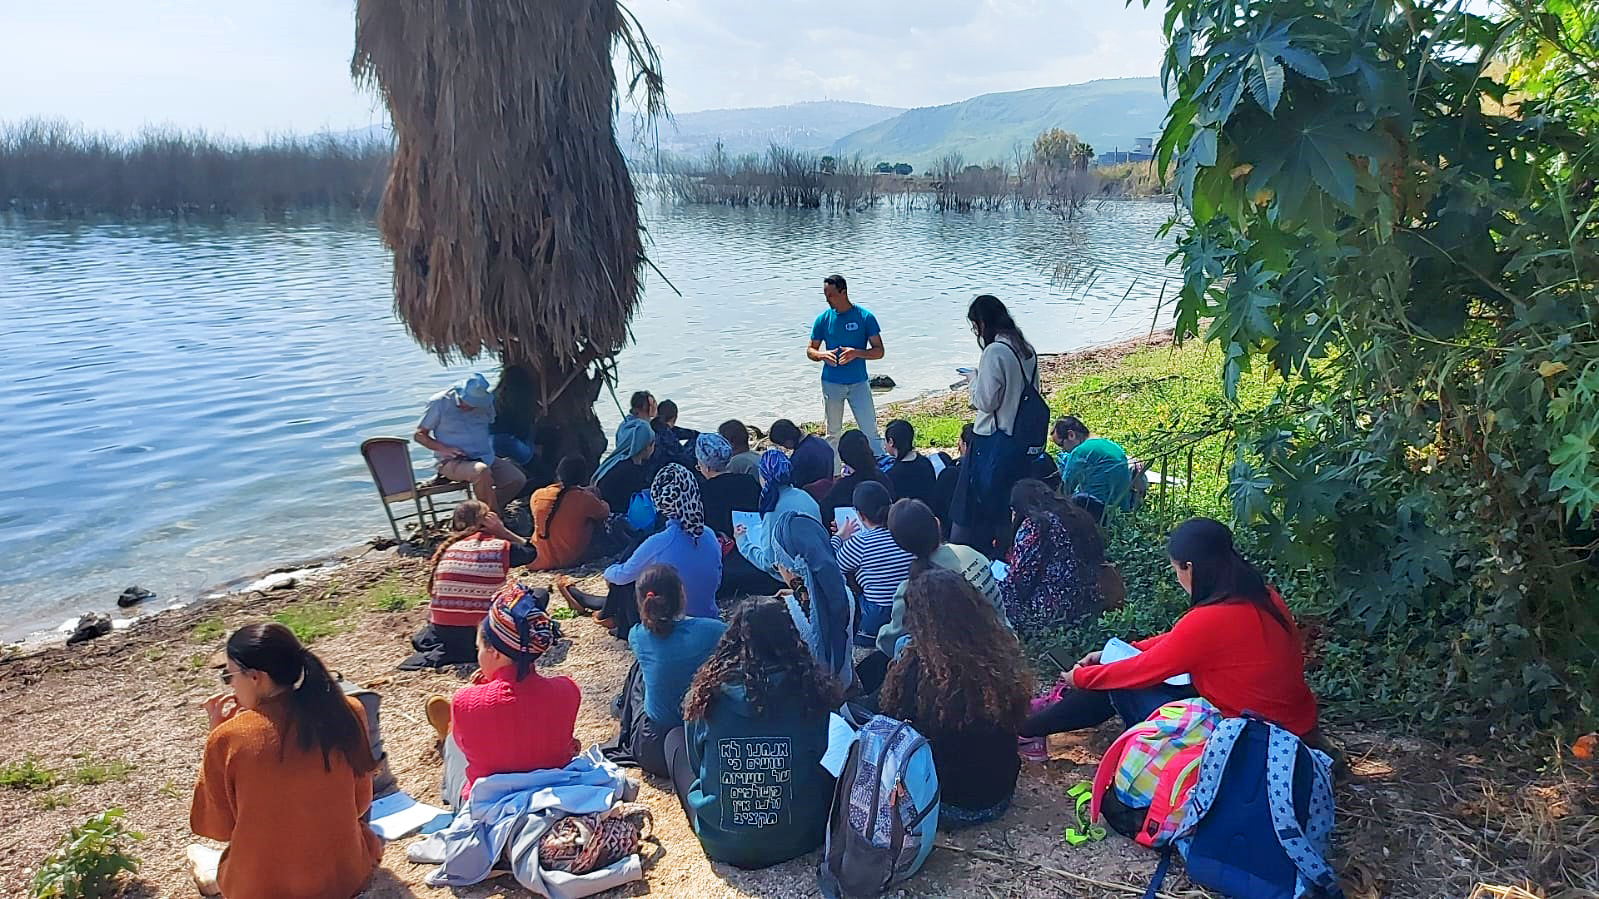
point(1391, 213)
point(828, 165)
point(903, 168)
point(1054, 149)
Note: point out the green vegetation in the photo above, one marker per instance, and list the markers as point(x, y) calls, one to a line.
point(90, 772)
point(88, 860)
point(56, 799)
point(313, 620)
point(392, 594)
point(27, 773)
point(562, 612)
point(56, 166)
point(209, 630)
point(1107, 114)
point(1391, 212)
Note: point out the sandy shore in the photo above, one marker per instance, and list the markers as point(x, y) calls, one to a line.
point(1415, 819)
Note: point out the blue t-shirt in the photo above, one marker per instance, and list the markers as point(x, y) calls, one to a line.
point(668, 664)
point(851, 328)
point(465, 429)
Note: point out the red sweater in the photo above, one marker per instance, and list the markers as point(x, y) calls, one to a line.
point(506, 726)
point(1240, 658)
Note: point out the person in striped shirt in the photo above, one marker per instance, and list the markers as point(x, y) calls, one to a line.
point(871, 560)
point(470, 566)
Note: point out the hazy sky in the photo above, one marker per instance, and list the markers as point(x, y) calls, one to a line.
point(250, 67)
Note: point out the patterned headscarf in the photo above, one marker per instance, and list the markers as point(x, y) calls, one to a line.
point(677, 496)
point(631, 438)
point(713, 452)
point(775, 475)
point(517, 627)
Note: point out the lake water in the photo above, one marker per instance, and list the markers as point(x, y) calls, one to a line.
point(184, 401)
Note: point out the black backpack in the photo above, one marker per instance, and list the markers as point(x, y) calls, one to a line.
point(1031, 428)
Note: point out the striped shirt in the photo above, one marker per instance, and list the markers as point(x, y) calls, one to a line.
point(468, 575)
point(872, 558)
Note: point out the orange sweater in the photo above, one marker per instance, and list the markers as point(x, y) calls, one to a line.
point(293, 829)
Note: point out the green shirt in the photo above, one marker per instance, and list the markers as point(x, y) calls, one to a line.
point(1097, 467)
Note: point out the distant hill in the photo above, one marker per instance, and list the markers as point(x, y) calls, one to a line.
point(802, 126)
point(1109, 113)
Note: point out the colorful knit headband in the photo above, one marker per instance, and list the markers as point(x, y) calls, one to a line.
point(516, 626)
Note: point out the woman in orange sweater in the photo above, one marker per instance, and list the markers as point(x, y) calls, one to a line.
point(1237, 642)
point(286, 776)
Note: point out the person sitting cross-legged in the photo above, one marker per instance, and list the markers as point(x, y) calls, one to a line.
point(468, 569)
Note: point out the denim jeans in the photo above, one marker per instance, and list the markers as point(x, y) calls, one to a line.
point(861, 406)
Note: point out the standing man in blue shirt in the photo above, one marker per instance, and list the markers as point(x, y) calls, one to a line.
point(843, 338)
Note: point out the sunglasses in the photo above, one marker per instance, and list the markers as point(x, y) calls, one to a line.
point(227, 676)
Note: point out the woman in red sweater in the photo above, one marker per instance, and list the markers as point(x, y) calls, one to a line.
point(510, 718)
point(1237, 642)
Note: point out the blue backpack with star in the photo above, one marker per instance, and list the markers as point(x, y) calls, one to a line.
point(1258, 821)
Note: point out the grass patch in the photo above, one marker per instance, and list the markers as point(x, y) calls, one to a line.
point(27, 773)
point(199, 660)
point(392, 594)
point(90, 772)
point(209, 630)
point(313, 621)
point(51, 801)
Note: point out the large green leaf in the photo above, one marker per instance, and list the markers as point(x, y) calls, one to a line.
point(1311, 152)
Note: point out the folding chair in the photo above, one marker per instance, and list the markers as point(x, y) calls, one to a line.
point(389, 461)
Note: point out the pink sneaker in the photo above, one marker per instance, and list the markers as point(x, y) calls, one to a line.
point(1033, 749)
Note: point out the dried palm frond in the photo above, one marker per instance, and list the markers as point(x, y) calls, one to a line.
point(509, 209)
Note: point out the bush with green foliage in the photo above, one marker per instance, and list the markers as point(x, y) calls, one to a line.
point(87, 861)
point(1391, 214)
point(28, 773)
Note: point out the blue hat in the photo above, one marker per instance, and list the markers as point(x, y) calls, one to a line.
point(713, 452)
point(475, 392)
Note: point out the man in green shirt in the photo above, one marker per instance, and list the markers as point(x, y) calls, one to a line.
point(1093, 470)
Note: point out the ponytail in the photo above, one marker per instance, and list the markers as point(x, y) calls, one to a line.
point(660, 599)
point(320, 716)
point(550, 518)
point(571, 472)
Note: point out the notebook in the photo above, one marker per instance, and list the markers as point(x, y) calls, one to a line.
point(1115, 650)
point(398, 815)
point(754, 529)
point(843, 515)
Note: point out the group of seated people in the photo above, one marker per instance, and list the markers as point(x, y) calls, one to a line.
point(877, 615)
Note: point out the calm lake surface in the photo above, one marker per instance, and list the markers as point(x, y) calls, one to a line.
point(184, 401)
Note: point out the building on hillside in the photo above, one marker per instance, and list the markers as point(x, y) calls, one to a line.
point(1143, 150)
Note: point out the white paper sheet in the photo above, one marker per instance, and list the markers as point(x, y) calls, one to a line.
point(753, 528)
point(843, 515)
point(1115, 650)
point(398, 815)
point(840, 737)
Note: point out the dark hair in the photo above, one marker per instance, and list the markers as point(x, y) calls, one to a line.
point(1219, 574)
point(968, 433)
point(572, 472)
point(736, 435)
point(665, 411)
point(763, 652)
point(660, 599)
point(1070, 424)
point(838, 282)
point(1034, 499)
point(914, 528)
point(902, 433)
point(856, 452)
point(516, 401)
point(785, 433)
point(872, 500)
point(991, 319)
point(640, 400)
point(971, 669)
point(320, 716)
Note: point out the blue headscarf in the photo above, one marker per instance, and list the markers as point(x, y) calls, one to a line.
point(713, 452)
point(801, 544)
point(775, 475)
point(631, 438)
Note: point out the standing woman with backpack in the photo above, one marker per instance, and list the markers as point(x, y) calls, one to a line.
point(1010, 428)
point(962, 683)
point(756, 727)
point(1237, 642)
point(286, 776)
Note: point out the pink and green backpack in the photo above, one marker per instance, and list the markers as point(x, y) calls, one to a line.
point(1144, 778)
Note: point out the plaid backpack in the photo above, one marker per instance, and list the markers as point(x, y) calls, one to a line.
point(1144, 778)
